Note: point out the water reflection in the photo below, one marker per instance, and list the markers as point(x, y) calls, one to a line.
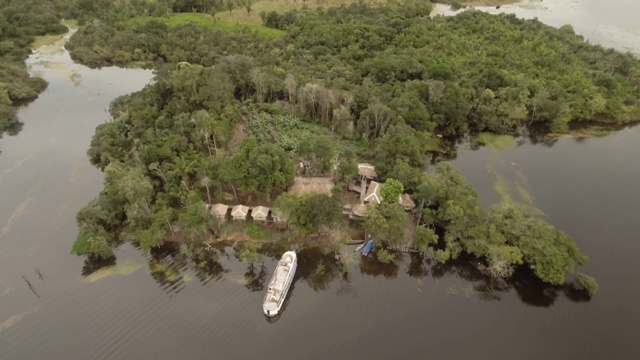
point(318, 269)
point(530, 290)
point(369, 265)
point(255, 277)
point(173, 266)
point(417, 266)
point(95, 263)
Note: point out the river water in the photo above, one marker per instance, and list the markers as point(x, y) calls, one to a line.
point(56, 306)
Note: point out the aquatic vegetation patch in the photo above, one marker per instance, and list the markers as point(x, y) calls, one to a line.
point(495, 141)
point(513, 192)
point(115, 270)
point(20, 210)
point(169, 274)
point(46, 40)
point(15, 319)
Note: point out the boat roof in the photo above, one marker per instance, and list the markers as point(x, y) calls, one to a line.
point(279, 281)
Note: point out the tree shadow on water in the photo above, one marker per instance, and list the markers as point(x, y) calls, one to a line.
point(318, 269)
point(370, 265)
point(256, 277)
point(530, 290)
point(95, 263)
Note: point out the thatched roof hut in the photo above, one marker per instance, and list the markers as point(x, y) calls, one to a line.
point(407, 202)
point(219, 211)
point(367, 170)
point(260, 213)
point(311, 185)
point(239, 212)
point(373, 193)
point(359, 210)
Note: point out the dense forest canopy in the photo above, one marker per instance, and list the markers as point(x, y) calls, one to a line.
point(472, 72)
point(233, 108)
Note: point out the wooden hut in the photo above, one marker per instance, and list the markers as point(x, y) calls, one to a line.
point(407, 202)
point(219, 211)
point(367, 171)
point(260, 213)
point(373, 193)
point(239, 212)
point(358, 211)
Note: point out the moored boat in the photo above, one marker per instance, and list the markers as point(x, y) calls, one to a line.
point(280, 283)
point(359, 247)
point(368, 247)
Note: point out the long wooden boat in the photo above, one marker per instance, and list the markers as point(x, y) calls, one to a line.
point(280, 283)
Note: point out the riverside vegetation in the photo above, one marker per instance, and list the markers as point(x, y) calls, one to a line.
point(383, 83)
point(21, 21)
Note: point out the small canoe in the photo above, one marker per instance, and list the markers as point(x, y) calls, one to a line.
point(359, 247)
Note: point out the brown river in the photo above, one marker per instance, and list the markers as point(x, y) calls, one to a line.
point(54, 305)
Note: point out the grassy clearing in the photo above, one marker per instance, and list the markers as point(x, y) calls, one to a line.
point(70, 23)
point(463, 3)
point(208, 21)
point(257, 232)
point(241, 16)
point(488, 2)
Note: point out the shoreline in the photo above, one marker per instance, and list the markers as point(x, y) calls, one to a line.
point(611, 34)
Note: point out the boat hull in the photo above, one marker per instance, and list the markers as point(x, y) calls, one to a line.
point(279, 284)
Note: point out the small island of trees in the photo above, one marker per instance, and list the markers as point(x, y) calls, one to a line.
point(385, 84)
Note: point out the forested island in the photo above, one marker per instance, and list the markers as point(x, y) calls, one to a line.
point(233, 108)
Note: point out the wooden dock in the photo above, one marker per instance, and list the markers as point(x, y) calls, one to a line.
point(404, 249)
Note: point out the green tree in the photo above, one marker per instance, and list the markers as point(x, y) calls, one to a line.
point(387, 222)
point(423, 237)
point(391, 190)
point(401, 143)
point(307, 213)
point(259, 169)
point(586, 283)
point(384, 256)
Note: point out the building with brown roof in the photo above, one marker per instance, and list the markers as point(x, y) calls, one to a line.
point(373, 193)
point(239, 212)
point(367, 170)
point(219, 211)
point(407, 202)
point(260, 213)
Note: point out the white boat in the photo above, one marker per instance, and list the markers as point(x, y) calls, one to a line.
point(280, 283)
